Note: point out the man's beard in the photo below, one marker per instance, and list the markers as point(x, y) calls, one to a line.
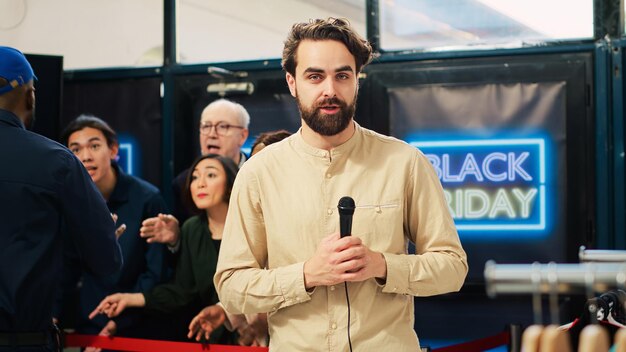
point(324, 124)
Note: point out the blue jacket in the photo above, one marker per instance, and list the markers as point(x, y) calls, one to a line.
point(145, 265)
point(45, 192)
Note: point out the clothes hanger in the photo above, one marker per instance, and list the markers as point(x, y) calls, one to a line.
point(531, 338)
point(554, 339)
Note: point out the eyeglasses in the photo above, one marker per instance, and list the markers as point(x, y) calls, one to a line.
point(221, 128)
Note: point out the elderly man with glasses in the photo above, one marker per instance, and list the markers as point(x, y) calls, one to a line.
point(224, 130)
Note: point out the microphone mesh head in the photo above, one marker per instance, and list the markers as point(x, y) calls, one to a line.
point(346, 206)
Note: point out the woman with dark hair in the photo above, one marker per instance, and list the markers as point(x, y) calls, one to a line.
point(266, 138)
point(208, 187)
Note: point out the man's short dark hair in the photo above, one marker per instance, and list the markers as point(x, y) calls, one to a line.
point(84, 121)
point(330, 29)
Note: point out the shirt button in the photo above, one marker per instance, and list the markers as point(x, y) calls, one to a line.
point(334, 326)
point(332, 288)
point(328, 175)
point(329, 211)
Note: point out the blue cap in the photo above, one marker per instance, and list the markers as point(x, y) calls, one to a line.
point(14, 68)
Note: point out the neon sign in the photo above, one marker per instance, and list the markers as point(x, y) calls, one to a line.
point(494, 185)
point(128, 156)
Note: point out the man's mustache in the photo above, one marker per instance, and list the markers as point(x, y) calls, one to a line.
point(331, 101)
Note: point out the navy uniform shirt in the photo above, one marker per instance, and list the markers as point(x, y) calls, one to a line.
point(44, 192)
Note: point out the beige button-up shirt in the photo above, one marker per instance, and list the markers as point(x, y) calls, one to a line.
point(284, 202)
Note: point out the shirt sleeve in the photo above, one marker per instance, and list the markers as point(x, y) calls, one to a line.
point(243, 283)
point(176, 295)
point(154, 253)
point(88, 221)
point(440, 263)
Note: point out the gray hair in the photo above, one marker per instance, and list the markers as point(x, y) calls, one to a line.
point(244, 117)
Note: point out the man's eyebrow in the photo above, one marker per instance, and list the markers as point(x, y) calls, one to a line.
point(92, 139)
point(319, 70)
point(344, 68)
point(313, 70)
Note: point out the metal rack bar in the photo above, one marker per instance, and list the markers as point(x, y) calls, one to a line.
point(584, 278)
point(601, 255)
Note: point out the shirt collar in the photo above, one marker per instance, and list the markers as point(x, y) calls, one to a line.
point(122, 185)
point(11, 119)
point(344, 148)
point(242, 159)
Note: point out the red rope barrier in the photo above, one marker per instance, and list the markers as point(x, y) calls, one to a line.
point(479, 345)
point(140, 345)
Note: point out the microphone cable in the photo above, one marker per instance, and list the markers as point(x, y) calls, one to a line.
point(345, 285)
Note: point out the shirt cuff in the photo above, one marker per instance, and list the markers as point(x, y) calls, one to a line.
point(175, 247)
point(290, 279)
point(233, 321)
point(397, 274)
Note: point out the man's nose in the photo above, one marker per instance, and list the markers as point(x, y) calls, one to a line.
point(84, 155)
point(329, 88)
point(213, 131)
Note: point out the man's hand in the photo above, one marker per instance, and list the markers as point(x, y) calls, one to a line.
point(115, 304)
point(209, 319)
point(163, 228)
point(255, 331)
point(342, 259)
point(120, 230)
point(109, 330)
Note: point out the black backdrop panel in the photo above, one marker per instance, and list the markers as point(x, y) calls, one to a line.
point(49, 88)
point(133, 109)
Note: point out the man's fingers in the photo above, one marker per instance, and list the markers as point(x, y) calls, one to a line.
point(192, 325)
point(120, 230)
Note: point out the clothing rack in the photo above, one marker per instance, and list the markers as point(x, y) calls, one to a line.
point(601, 255)
point(553, 279)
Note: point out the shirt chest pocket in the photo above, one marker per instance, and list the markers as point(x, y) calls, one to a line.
point(380, 225)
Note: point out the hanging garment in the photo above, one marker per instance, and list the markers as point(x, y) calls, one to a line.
point(593, 338)
point(555, 339)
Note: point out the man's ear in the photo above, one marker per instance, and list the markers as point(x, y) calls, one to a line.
point(115, 148)
point(291, 82)
point(244, 135)
point(30, 98)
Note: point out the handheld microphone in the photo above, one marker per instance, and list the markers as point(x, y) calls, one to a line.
point(346, 210)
